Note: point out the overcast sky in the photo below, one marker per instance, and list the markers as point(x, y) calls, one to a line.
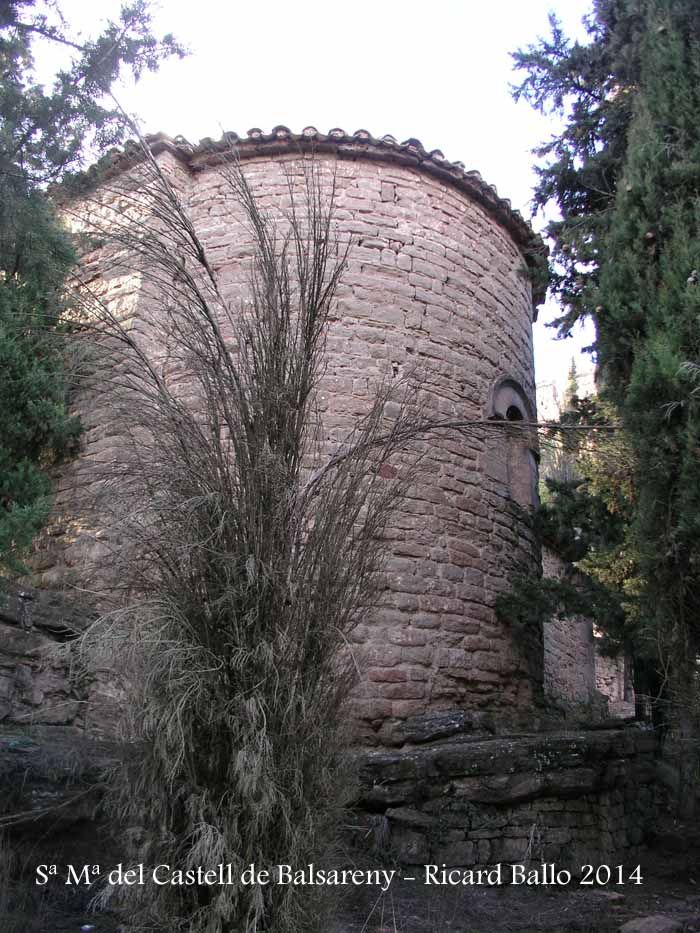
point(437, 70)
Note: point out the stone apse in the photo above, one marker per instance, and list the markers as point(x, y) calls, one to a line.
point(438, 284)
point(457, 757)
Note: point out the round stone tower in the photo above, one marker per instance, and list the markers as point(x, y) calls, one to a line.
point(439, 282)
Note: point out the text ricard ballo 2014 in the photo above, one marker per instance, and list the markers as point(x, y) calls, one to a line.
point(545, 874)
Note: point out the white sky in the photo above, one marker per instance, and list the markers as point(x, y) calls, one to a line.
point(438, 71)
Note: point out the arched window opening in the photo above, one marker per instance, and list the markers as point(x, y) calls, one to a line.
point(513, 454)
point(508, 402)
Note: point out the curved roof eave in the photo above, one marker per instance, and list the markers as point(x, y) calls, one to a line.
point(360, 144)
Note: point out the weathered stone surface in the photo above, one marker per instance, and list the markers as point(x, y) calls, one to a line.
point(569, 651)
point(38, 677)
point(578, 679)
point(50, 611)
point(411, 847)
point(433, 283)
point(50, 773)
point(573, 797)
point(407, 817)
point(35, 679)
point(434, 279)
point(439, 724)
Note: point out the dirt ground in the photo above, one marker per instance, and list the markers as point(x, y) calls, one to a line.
point(508, 909)
point(670, 869)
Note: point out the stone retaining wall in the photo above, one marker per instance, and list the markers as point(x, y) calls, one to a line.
point(570, 798)
point(44, 677)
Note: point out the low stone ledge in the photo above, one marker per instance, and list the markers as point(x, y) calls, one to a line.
point(562, 762)
point(35, 679)
point(53, 775)
point(51, 611)
point(567, 797)
point(439, 724)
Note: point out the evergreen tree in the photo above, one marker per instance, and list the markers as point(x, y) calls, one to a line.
point(572, 387)
point(626, 178)
point(590, 87)
point(35, 427)
point(44, 135)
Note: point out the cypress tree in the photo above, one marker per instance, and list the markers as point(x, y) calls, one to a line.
point(648, 327)
point(44, 134)
point(626, 178)
point(35, 427)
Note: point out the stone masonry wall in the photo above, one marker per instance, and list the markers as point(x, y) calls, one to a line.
point(570, 798)
point(569, 651)
point(576, 675)
point(434, 286)
point(613, 678)
point(44, 680)
point(431, 283)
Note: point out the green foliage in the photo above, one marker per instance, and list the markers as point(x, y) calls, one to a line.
point(531, 603)
point(35, 428)
point(624, 175)
point(572, 386)
point(648, 323)
point(43, 135)
point(573, 522)
point(46, 133)
point(589, 86)
point(583, 521)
